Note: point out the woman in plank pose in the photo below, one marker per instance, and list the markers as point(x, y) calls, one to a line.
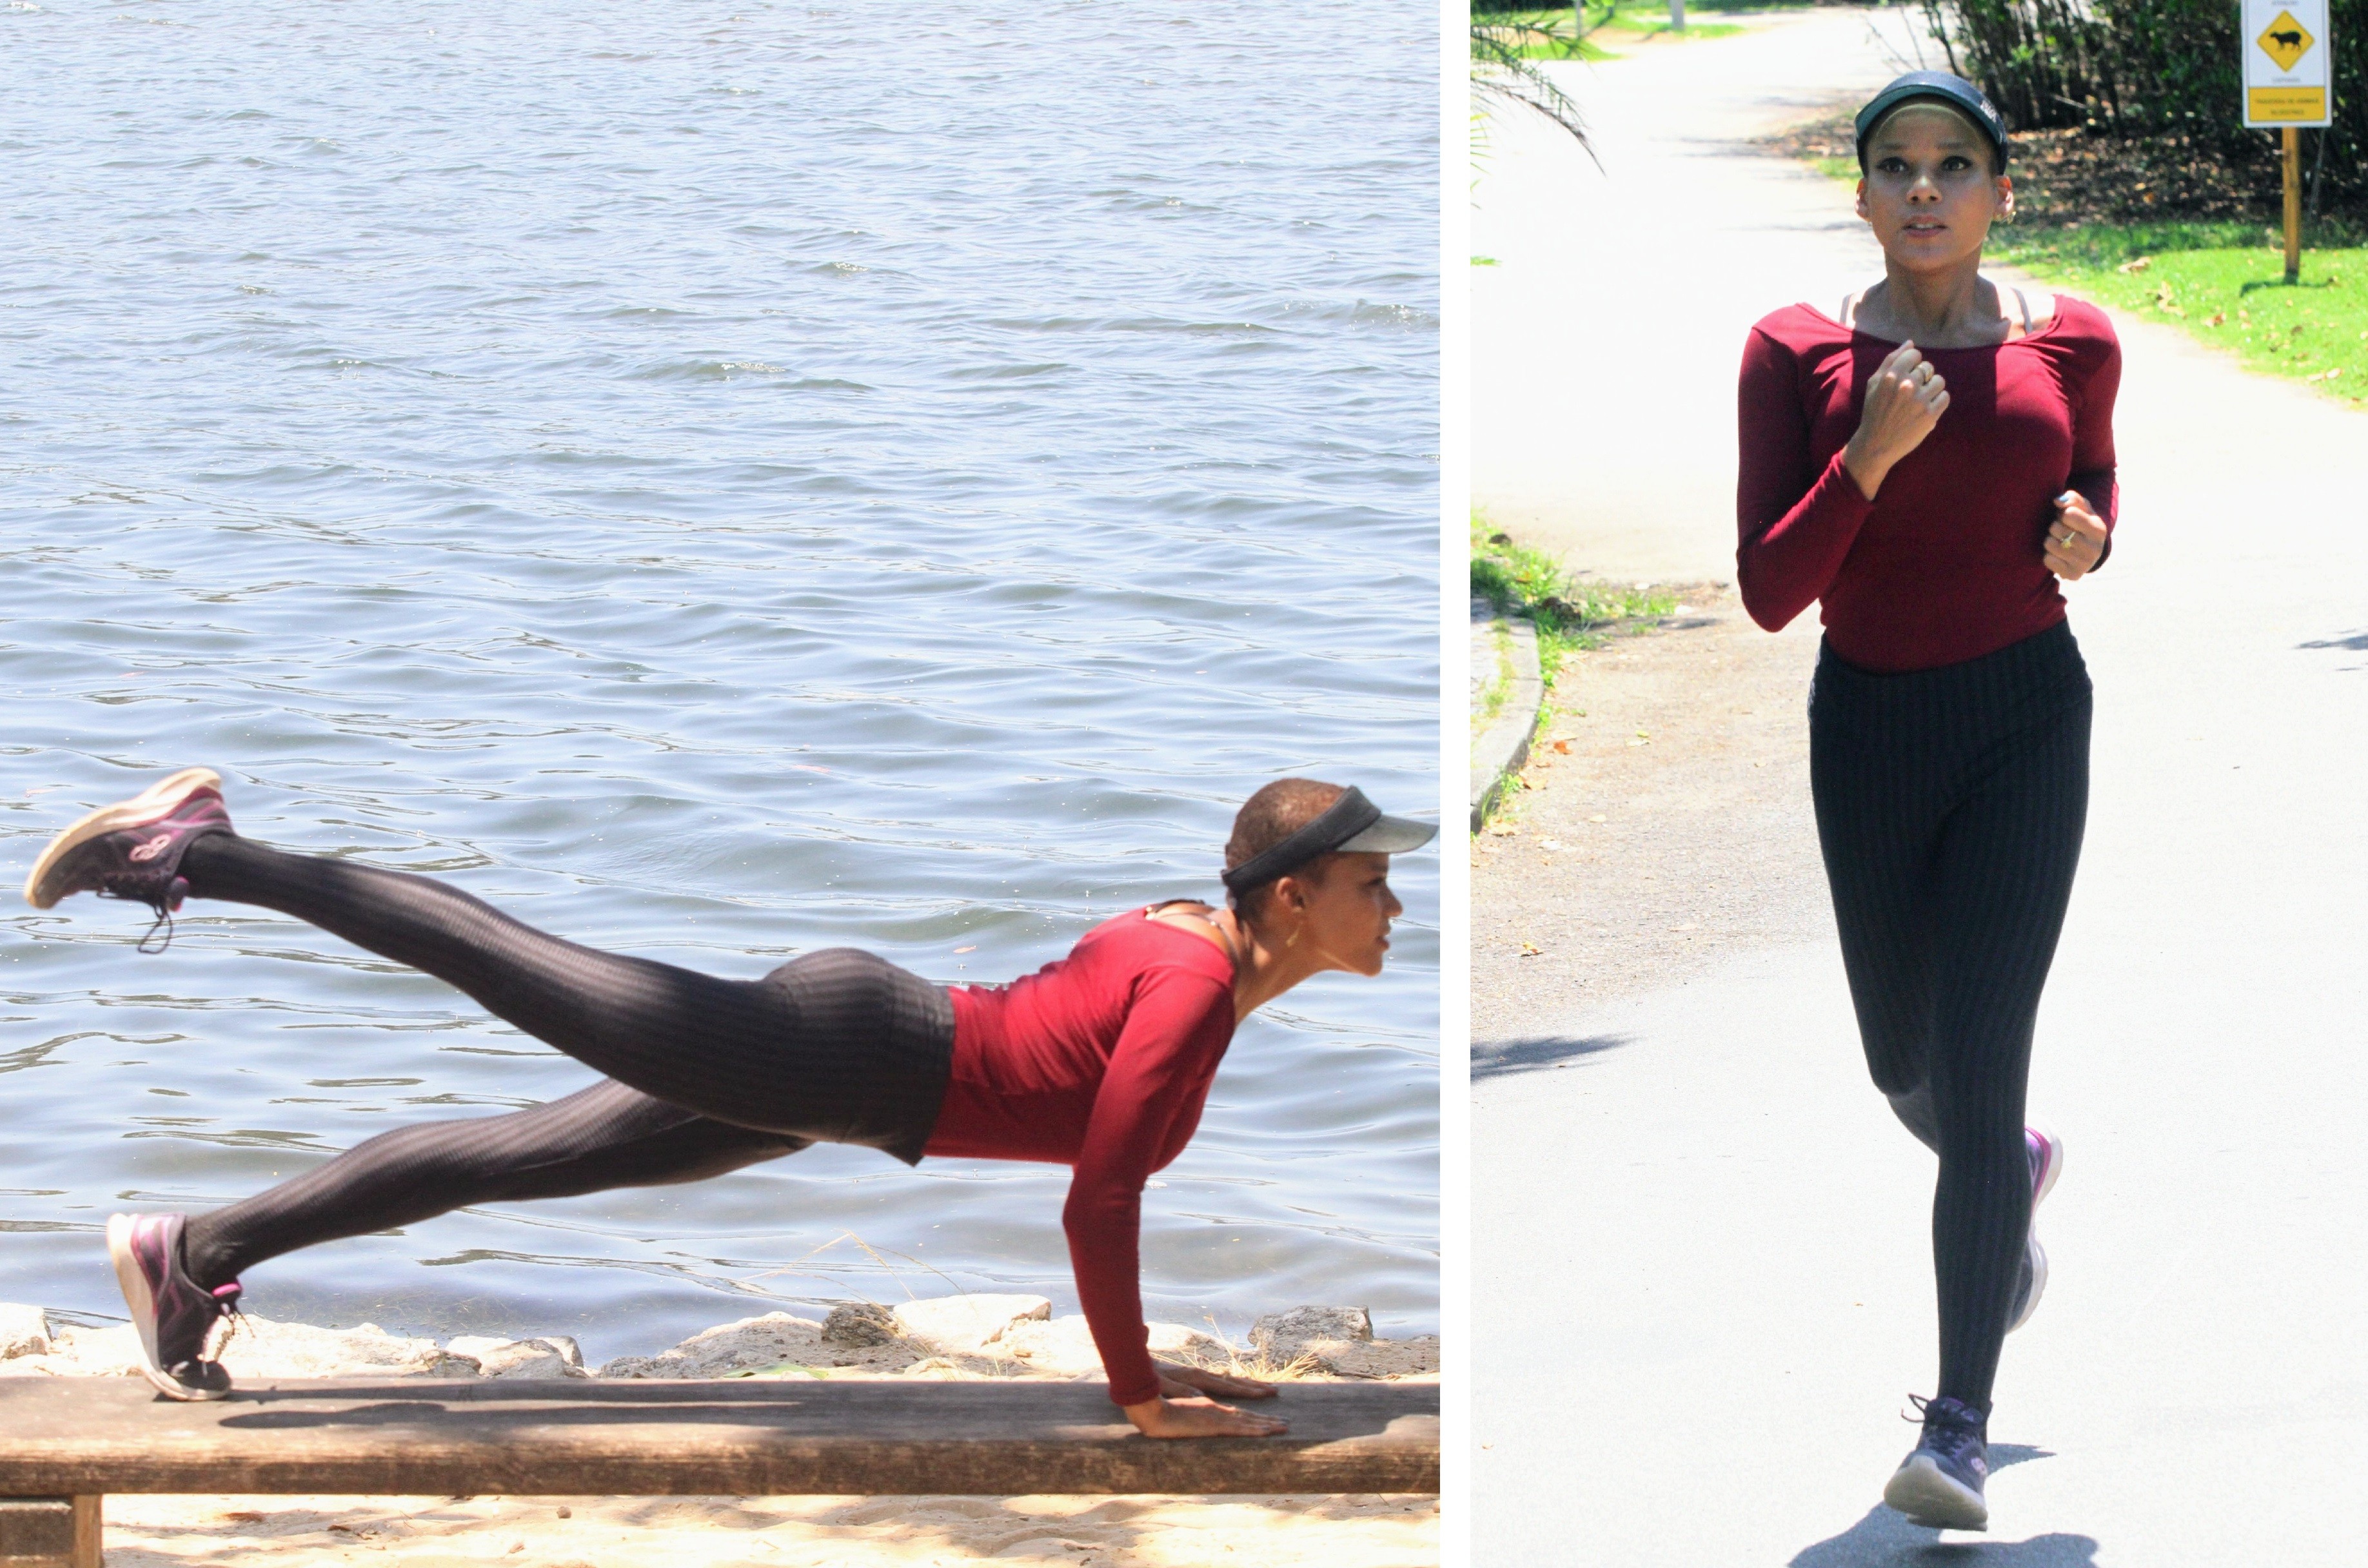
point(1926, 464)
point(1102, 1061)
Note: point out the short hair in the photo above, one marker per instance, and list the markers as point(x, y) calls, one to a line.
point(1265, 819)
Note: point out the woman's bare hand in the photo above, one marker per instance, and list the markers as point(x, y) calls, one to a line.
point(1198, 1417)
point(1904, 399)
point(1183, 1382)
point(2075, 540)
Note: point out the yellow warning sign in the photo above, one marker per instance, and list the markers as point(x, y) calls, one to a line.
point(2286, 40)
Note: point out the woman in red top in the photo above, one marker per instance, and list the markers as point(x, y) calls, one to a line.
point(1101, 1060)
point(1927, 464)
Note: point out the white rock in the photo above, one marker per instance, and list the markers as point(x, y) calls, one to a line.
point(1064, 1346)
point(551, 1356)
point(967, 1325)
point(1185, 1344)
point(259, 1349)
point(745, 1345)
point(1287, 1336)
point(24, 1330)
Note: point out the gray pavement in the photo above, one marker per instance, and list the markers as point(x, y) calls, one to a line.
point(1702, 1283)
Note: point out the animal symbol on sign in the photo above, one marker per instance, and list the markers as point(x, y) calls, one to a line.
point(2286, 40)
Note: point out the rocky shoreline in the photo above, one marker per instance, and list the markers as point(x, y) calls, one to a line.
point(945, 1337)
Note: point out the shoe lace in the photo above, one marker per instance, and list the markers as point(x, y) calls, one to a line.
point(225, 1299)
point(142, 890)
point(1944, 1430)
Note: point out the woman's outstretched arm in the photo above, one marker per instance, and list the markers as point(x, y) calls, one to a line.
point(1146, 1109)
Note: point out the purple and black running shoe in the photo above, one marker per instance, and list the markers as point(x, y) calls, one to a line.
point(1939, 1486)
point(132, 849)
point(173, 1314)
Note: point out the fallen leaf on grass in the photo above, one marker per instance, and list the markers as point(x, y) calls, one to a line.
point(2140, 264)
point(2325, 375)
point(2219, 318)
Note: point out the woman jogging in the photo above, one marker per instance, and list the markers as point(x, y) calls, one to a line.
point(1102, 1061)
point(1926, 463)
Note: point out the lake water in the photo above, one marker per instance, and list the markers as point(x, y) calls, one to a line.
point(717, 481)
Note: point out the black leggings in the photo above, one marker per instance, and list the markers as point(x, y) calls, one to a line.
point(1950, 807)
point(707, 1074)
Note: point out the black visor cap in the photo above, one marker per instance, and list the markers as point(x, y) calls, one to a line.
point(1932, 87)
point(1352, 823)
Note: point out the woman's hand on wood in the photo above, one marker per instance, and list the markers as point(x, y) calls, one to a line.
point(1200, 1417)
point(2075, 540)
point(1904, 399)
point(1183, 1382)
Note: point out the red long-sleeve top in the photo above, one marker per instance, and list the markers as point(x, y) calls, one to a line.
point(1101, 1060)
point(1944, 564)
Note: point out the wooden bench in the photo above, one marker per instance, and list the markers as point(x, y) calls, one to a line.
point(66, 1442)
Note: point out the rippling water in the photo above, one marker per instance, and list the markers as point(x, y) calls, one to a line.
point(717, 483)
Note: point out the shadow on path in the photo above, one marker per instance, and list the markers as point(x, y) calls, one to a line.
point(1885, 1540)
point(1503, 1058)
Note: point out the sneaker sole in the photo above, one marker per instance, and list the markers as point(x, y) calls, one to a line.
point(134, 1281)
point(1930, 1498)
point(2054, 1166)
point(2038, 1285)
point(160, 798)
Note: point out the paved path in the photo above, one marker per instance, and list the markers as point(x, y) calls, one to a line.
point(1703, 1285)
point(1652, 271)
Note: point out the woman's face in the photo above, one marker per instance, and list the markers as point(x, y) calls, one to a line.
point(1347, 903)
point(1928, 192)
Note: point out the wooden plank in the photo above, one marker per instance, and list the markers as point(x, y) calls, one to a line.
point(568, 1438)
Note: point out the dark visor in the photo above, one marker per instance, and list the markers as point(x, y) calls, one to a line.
point(1351, 822)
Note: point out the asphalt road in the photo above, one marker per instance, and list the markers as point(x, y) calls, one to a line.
point(1704, 1280)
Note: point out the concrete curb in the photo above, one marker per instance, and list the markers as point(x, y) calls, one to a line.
point(1505, 744)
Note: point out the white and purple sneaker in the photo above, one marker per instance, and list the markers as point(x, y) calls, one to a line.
point(2046, 1153)
point(173, 1314)
point(132, 849)
point(1939, 1485)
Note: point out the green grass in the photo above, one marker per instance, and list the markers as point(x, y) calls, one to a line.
point(2224, 283)
point(1645, 20)
point(1568, 614)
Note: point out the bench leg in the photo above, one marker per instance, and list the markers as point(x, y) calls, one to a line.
point(87, 1530)
point(48, 1532)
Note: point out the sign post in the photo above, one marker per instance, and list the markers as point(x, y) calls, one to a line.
point(2286, 87)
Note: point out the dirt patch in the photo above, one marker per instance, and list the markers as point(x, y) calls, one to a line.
point(1663, 822)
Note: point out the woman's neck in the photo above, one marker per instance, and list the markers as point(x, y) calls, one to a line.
point(1949, 308)
point(1264, 971)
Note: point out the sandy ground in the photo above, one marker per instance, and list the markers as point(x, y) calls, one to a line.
point(791, 1532)
point(1692, 1180)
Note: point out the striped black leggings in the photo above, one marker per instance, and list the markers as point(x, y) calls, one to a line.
point(1950, 806)
point(705, 1074)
